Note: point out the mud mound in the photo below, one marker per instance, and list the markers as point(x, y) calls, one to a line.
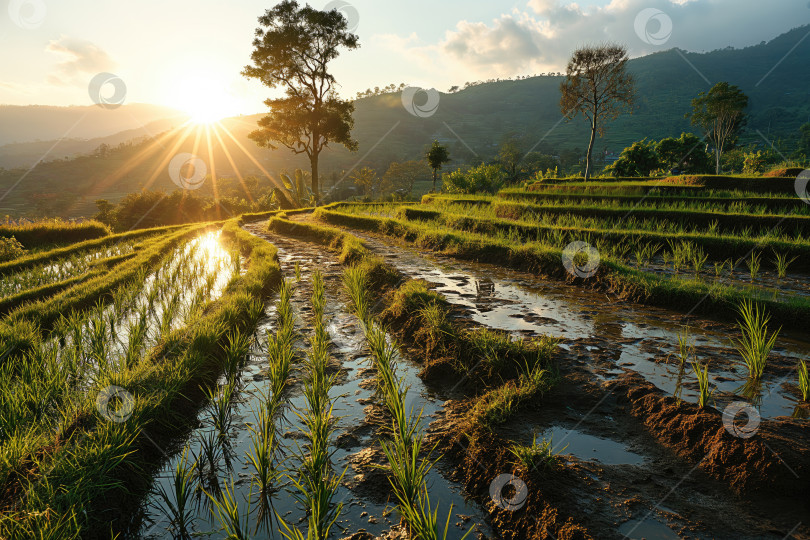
point(774, 459)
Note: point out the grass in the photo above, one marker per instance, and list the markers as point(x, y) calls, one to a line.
point(177, 503)
point(559, 229)
point(54, 231)
point(804, 380)
point(97, 460)
point(781, 263)
point(755, 344)
point(536, 456)
point(686, 347)
point(702, 375)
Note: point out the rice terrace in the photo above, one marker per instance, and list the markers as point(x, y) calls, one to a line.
point(245, 292)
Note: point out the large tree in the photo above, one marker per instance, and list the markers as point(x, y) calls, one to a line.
point(292, 50)
point(598, 86)
point(720, 112)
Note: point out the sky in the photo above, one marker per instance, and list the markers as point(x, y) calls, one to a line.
point(188, 54)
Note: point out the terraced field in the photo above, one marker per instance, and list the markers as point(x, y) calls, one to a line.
point(560, 362)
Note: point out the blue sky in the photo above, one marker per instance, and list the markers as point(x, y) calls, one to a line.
point(183, 53)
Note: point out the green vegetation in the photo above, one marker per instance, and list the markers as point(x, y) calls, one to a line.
point(69, 427)
point(52, 232)
point(755, 344)
point(536, 456)
point(804, 380)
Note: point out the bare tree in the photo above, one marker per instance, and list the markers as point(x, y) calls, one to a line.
point(598, 86)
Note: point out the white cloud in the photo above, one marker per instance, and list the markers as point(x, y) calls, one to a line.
point(543, 36)
point(77, 57)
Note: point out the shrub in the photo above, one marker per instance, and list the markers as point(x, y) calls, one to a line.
point(10, 249)
point(483, 178)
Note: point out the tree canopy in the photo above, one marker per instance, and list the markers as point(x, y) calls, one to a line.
point(597, 86)
point(720, 112)
point(292, 50)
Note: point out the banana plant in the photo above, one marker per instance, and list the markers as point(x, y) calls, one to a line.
point(298, 191)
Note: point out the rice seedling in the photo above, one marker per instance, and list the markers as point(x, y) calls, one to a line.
point(355, 282)
point(221, 415)
point(718, 268)
point(236, 349)
point(262, 458)
point(753, 264)
point(423, 520)
point(804, 380)
point(297, 271)
point(686, 347)
point(537, 455)
point(702, 374)
point(225, 509)
point(176, 502)
point(699, 258)
point(755, 344)
point(781, 263)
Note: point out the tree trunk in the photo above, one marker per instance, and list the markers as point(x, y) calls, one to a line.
point(717, 160)
point(590, 149)
point(434, 181)
point(313, 161)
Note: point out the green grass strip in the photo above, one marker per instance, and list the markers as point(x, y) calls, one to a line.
point(29, 261)
point(719, 247)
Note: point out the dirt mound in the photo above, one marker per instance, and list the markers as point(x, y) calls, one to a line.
point(774, 459)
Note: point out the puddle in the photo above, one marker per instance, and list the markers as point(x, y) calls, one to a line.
point(651, 528)
point(587, 447)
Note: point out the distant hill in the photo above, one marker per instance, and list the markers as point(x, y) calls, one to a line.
point(22, 124)
point(473, 122)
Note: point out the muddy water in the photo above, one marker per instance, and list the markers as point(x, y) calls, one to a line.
point(365, 501)
point(609, 336)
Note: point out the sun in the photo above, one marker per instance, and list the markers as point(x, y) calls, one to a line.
point(203, 98)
